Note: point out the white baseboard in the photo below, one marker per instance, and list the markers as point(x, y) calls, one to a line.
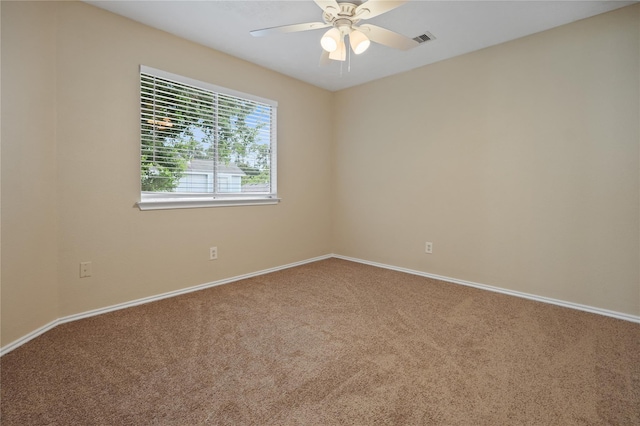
point(586, 308)
point(24, 339)
point(21, 341)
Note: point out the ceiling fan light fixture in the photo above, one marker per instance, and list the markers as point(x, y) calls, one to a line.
point(359, 42)
point(330, 40)
point(340, 54)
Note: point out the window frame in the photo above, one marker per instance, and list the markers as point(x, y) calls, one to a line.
point(172, 200)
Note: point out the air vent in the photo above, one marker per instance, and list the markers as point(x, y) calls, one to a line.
point(423, 38)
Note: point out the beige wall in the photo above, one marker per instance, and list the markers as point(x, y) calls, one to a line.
point(29, 205)
point(519, 162)
point(137, 254)
point(82, 66)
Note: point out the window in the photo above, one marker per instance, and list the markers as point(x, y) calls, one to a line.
point(203, 145)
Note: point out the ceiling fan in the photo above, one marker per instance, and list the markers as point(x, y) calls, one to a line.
point(344, 18)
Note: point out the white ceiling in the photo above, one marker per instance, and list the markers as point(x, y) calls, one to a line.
point(458, 26)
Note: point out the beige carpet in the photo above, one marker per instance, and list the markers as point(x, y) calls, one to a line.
point(332, 342)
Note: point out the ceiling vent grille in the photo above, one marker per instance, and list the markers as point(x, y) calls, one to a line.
point(423, 38)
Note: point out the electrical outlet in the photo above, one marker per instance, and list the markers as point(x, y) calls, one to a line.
point(213, 253)
point(85, 269)
point(428, 247)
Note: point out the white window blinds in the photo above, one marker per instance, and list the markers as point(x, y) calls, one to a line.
point(203, 142)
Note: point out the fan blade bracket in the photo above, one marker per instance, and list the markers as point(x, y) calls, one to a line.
point(360, 12)
point(373, 8)
point(330, 7)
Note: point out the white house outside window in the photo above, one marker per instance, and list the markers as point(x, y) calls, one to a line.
point(203, 145)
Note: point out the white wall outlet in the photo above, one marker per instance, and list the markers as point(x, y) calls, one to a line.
point(428, 247)
point(213, 253)
point(85, 269)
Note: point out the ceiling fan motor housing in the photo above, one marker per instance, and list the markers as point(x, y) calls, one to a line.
point(344, 19)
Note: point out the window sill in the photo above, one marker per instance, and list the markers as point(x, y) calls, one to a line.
point(193, 203)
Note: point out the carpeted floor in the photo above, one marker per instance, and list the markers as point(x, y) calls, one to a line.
point(331, 342)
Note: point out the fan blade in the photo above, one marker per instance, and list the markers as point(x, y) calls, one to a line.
point(289, 29)
point(372, 8)
point(329, 6)
point(324, 58)
point(388, 38)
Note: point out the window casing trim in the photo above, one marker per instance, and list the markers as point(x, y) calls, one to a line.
point(200, 202)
